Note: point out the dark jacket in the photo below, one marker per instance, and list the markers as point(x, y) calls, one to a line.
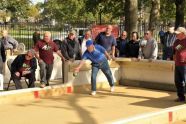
point(2, 53)
point(9, 42)
point(36, 37)
point(71, 49)
point(121, 46)
point(168, 41)
point(18, 63)
point(132, 49)
point(80, 40)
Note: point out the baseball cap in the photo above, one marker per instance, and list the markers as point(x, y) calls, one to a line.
point(72, 32)
point(88, 43)
point(180, 30)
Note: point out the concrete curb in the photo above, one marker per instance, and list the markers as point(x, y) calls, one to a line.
point(33, 93)
point(165, 116)
point(36, 93)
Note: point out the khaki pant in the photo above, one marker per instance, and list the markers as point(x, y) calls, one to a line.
point(9, 52)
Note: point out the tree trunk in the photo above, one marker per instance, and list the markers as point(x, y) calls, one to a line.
point(180, 5)
point(154, 14)
point(131, 17)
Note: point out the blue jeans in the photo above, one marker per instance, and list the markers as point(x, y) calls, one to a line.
point(180, 78)
point(105, 69)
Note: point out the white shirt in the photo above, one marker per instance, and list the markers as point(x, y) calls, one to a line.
point(83, 45)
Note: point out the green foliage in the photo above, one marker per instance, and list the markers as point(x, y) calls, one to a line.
point(111, 10)
point(70, 10)
point(32, 11)
point(17, 8)
point(81, 10)
point(167, 11)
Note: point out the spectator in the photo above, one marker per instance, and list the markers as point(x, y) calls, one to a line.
point(58, 40)
point(107, 40)
point(70, 47)
point(150, 49)
point(44, 53)
point(167, 42)
point(24, 65)
point(179, 50)
point(36, 36)
point(10, 44)
point(97, 54)
point(82, 41)
point(121, 44)
point(161, 34)
point(132, 47)
point(2, 57)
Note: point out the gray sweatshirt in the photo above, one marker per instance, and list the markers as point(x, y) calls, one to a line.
point(150, 50)
point(9, 42)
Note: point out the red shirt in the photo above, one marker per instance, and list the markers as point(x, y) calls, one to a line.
point(46, 50)
point(179, 48)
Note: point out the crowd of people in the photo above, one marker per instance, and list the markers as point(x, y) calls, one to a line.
point(98, 51)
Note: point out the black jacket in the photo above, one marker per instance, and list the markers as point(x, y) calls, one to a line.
point(71, 49)
point(132, 49)
point(3, 54)
point(36, 37)
point(18, 63)
point(121, 46)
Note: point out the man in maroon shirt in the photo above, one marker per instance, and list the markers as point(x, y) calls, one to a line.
point(44, 53)
point(179, 49)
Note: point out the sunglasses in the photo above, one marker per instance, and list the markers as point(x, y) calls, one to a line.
point(29, 56)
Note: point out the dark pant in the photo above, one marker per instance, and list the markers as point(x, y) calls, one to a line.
point(180, 78)
point(30, 77)
point(45, 72)
point(105, 69)
point(1, 67)
point(167, 53)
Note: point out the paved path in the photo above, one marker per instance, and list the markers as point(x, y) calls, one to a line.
point(81, 108)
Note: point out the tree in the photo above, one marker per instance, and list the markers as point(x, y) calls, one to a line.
point(33, 12)
point(110, 12)
point(180, 6)
point(63, 11)
point(167, 12)
point(17, 8)
point(154, 14)
point(131, 17)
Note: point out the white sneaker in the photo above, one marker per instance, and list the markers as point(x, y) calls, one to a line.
point(112, 89)
point(93, 93)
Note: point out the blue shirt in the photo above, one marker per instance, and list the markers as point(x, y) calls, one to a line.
point(106, 41)
point(96, 56)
